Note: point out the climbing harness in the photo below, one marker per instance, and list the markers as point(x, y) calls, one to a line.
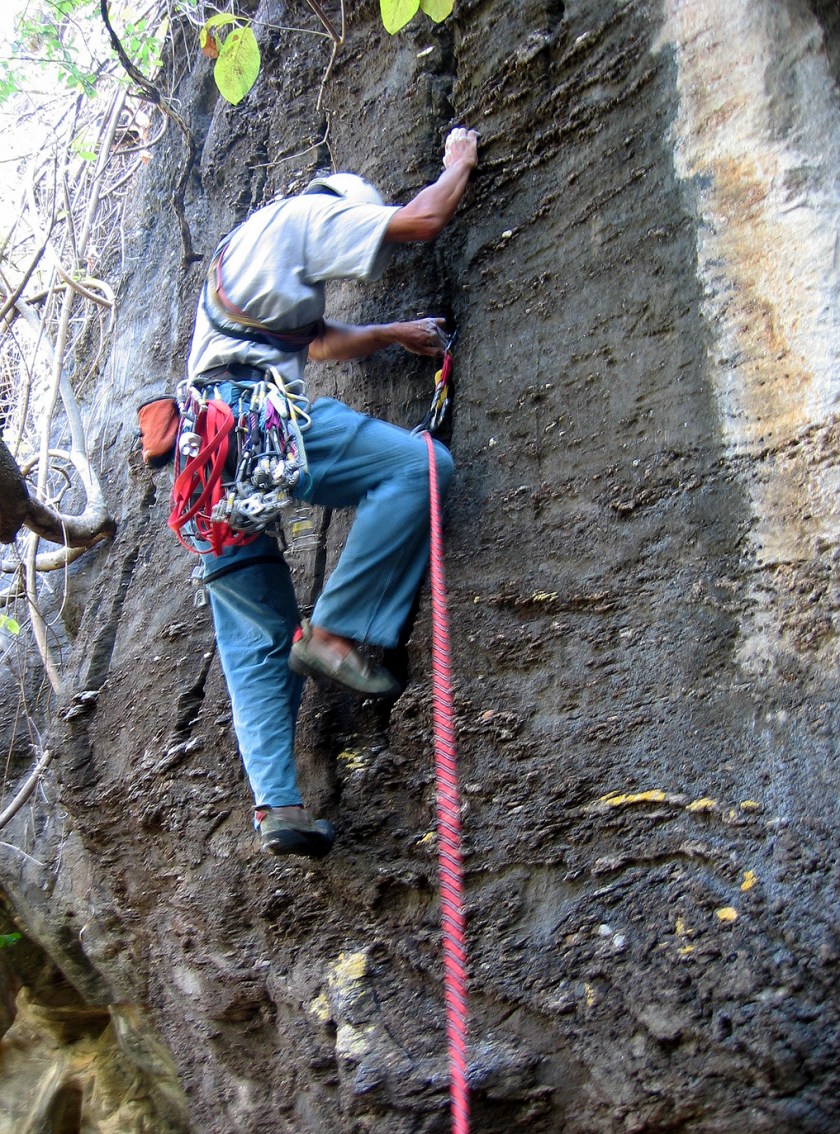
point(268, 453)
point(228, 319)
point(441, 396)
point(262, 442)
point(453, 918)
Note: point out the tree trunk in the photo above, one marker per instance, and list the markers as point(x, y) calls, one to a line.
point(14, 497)
point(18, 509)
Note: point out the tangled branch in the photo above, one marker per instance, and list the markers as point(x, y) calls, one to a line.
point(336, 37)
point(154, 95)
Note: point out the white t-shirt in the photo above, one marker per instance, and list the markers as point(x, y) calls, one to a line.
point(275, 267)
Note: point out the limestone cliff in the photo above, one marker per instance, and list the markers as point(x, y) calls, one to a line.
point(642, 558)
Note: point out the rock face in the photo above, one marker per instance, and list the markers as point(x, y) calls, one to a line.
point(642, 560)
point(68, 1064)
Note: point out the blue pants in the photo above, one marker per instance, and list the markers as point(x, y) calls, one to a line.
point(354, 461)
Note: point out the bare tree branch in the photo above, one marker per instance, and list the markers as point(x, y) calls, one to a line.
point(154, 95)
point(16, 294)
point(46, 561)
point(27, 789)
point(337, 39)
point(327, 22)
point(36, 621)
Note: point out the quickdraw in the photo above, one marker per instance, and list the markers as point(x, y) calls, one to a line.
point(441, 396)
point(267, 431)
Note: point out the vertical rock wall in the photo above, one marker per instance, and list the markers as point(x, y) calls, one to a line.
point(642, 564)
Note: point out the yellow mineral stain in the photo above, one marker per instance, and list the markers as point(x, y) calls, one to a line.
point(590, 995)
point(749, 880)
point(750, 805)
point(612, 799)
point(543, 596)
point(349, 968)
point(353, 758)
point(352, 1042)
point(428, 840)
point(727, 913)
point(686, 949)
point(679, 928)
point(320, 1008)
point(702, 805)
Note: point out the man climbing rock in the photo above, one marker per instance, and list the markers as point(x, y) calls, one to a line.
point(262, 307)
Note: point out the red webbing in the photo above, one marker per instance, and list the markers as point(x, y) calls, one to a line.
point(197, 487)
point(453, 918)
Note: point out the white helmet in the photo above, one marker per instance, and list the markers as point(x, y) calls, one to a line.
point(347, 185)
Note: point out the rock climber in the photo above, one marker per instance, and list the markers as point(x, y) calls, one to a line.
point(274, 269)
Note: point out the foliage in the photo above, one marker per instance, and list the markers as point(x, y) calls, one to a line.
point(73, 141)
point(62, 40)
point(7, 939)
point(397, 13)
point(237, 56)
point(46, 36)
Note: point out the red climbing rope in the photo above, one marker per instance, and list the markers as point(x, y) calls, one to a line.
point(449, 829)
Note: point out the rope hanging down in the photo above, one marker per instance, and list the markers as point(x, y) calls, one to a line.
point(449, 828)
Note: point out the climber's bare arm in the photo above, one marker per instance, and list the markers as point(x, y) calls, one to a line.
point(341, 342)
point(428, 214)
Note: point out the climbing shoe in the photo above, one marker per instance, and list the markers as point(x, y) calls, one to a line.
point(302, 834)
point(314, 659)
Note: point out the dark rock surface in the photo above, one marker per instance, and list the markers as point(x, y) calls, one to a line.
point(642, 569)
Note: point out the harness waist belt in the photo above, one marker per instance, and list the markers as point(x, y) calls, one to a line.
point(238, 372)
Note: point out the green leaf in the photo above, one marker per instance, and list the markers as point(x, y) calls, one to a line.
point(436, 10)
point(8, 82)
point(397, 13)
point(238, 65)
point(9, 938)
point(219, 19)
point(9, 624)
